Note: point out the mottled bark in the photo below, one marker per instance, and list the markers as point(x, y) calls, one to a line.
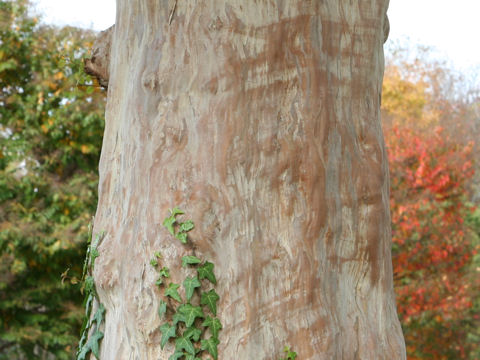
point(260, 119)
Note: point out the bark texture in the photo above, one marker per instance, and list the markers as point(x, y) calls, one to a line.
point(261, 120)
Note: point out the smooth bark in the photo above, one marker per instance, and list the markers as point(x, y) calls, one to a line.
point(261, 120)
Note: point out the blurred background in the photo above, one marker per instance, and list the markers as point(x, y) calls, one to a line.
point(51, 126)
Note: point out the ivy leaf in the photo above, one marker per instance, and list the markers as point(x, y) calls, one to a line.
point(190, 260)
point(154, 262)
point(98, 317)
point(291, 355)
point(168, 223)
point(176, 211)
point(93, 341)
point(172, 291)
point(214, 325)
point(190, 283)
point(162, 308)
point(192, 333)
point(94, 254)
point(164, 273)
point(157, 254)
point(83, 353)
point(184, 343)
point(182, 236)
point(168, 332)
point(89, 284)
point(191, 357)
point(211, 346)
point(176, 355)
point(206, 272)
point(177, 317)
point(210, 299)
point(187, 226)
point(191, 313)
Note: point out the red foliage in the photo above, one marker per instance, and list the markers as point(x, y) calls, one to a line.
point(432, 249)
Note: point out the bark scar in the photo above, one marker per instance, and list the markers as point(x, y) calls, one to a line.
point(172, 12)
point(98, 65)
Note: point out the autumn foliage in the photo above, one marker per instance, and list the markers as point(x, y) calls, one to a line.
point(434, 223)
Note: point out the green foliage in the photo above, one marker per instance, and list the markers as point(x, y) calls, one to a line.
point(290, 355)
point(190, 284)
point(51, 128)
point(210, 299)
point(90, 343)
point(206, 272)
point(187, 324)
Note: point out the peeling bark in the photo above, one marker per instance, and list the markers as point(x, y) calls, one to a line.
point(260, 119)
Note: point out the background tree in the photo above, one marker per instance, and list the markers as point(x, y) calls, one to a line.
point(50, 136)
point(261, 120)
point(430, 129)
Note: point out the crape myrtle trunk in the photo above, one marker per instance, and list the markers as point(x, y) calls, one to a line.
point(261, 120)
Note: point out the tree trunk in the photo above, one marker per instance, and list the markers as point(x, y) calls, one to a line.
point(261, 120)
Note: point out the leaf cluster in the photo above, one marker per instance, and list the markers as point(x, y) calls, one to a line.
point(91, 334)
point(190, 323)
point(290, 355)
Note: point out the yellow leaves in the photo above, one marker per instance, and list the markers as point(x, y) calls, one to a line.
point(406, 100)
point(18, 266)
point(47, 126)
point(40, 98)
point(85, 149)
point(59, 76)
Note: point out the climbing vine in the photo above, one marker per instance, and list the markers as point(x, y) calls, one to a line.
point(91, 334)
point(189, 322)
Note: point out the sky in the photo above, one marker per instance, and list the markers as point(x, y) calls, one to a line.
point(451, 28)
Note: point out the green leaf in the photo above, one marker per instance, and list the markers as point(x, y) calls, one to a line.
point(168, 223)
point(154, 262)
point(184, 343)
point(168, 332)
point(206, 272)
point(89, 284)
point(210, 299)
point(172, 291)
point(211, 346)
point(94, 254)
point(93, 341)
point(176, 355)
point(98, 317)
point(190, 260)
point(162, 308)
point(176, 211)
point(177, 317)
point(157, 254)
point(190, 283)
point(182, 236)
point(192, 333)
point(164, 271)
point(291, 355)
point(214, 325)
point(191, 313)
point(191, 357)
point(187, 226)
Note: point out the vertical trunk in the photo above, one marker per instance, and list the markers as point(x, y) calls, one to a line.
point(261, 120)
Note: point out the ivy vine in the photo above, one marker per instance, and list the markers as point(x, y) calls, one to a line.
point(91, 335)
point(190, 323)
